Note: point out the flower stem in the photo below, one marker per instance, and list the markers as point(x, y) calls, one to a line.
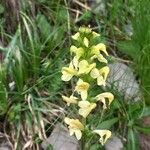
point(83, 142)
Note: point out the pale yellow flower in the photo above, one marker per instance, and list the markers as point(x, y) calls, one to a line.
point(104, 72)
point(85, 108)
point(85, 67)
point(95, 34)
point(76, 36)
point(85, 30)
point(75, 127)
point(100, 75)
point(97, 48)
point(78, 51)
point(100, 58)
point(75, 62)
point(86, 42)
point(103, 96)
point(104, 135)
point(82, 88)
point(70, 100)
point(68, 72)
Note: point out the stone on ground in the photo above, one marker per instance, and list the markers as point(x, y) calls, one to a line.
point(114, 143)
point(61, 140)
point(122, 78)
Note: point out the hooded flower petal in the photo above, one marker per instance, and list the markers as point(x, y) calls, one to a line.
point(78, 134)
point(104, 72)
point(101, 81)
point(95, 34)
point(76, 36)
point(86, 42)
point(85, 108)
point(94, 73)
point(78, 51)
point(68, 72)
point(85, 67)
point(101, 58)
point(104, 135)
point(102, 97)
point(75, 62)
point(97, 48)
point(75, 127)
point(82, 88)
point(70, 100)
point(100, 75)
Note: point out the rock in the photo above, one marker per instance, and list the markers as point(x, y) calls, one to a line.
point(5, 146)
point(98, 6)
point(61, 140)
point(144, 139)
point(122, 79)
point(144, 142)
point(128, 29)
point(114, 143)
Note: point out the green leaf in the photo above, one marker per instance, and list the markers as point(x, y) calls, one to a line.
point(132, 140)
point(108, 123)
point(50, 147)
point(3, 99)
point(145, 130)
point(135, 110)
point(1, 9)
point(43, 25)
point(128, 48)
point(85, 16)
point(95, 147)
point(146, 111)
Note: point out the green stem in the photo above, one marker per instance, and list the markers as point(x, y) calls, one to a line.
point(83, 141)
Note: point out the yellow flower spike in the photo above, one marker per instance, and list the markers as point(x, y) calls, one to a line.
point(78, 51)
point(75, 127)
point(76, 36)
point(70, 100)
point(104, 135)
point(85, 67)
point(68, 72)
point(102, 97)
point(86, 42)
point(100, 75)
point(97, 48)
point(82, 88)
point(85, 108)
point(85, 30)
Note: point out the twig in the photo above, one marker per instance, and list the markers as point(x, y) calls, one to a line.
point(122, 60)
point(82, 5)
